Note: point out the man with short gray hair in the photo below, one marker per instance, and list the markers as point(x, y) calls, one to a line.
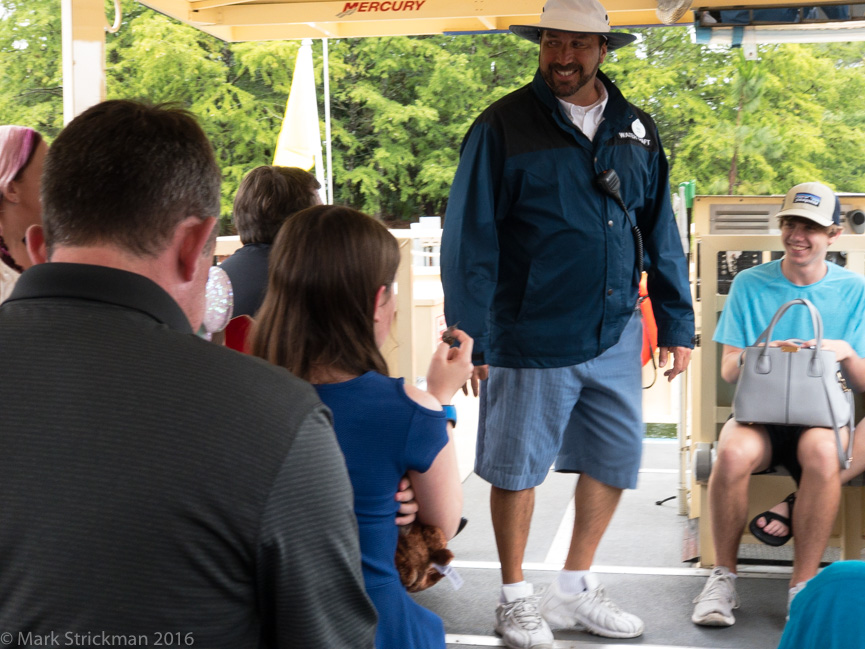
point(157, 489)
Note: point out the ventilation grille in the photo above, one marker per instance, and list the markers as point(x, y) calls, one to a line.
point(742, 219)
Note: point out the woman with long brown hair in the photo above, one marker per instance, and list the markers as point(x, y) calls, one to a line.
point(328, 308)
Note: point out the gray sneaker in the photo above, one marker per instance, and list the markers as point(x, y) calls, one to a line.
point(521, 626)
point(590, 611)
point(714, 606)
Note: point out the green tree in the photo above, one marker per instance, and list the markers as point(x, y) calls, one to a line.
point(30, 61)
point(401, 106)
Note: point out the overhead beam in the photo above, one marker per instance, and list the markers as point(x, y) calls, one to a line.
point(347, 30)
point(196, 5)
point(249, 20)
point(347, 11)
point(178, 9)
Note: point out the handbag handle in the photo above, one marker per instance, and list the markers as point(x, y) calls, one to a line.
point(846, 459)
point(815, 367)
point(816, 320)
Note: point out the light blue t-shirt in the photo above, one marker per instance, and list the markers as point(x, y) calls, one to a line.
point(758, 292)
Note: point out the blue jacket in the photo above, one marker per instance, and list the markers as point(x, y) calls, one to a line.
point(538, 265)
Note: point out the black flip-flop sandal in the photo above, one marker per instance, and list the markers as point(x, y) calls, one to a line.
point(771, 539)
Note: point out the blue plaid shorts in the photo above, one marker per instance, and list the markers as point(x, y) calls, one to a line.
point(587, 418)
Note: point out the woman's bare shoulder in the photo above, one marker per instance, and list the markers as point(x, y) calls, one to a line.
point(421, 397)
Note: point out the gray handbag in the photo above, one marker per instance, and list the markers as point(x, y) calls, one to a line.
point(794, 386)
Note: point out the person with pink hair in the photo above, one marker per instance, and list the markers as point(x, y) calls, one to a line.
point(22, 152)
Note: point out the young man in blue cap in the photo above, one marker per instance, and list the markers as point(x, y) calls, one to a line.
point(809, 221)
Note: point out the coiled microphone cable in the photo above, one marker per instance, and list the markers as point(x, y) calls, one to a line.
point(609, 183)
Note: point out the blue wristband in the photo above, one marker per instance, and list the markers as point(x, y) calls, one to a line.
point(451, 414)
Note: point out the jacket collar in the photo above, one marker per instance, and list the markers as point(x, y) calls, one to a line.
point(101, 284)
point(618, 110)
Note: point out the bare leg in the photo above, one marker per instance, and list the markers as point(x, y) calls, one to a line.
point(778, 528)
point(595, 503)
point(742, 450)
point(817, 501)
point(512, 517)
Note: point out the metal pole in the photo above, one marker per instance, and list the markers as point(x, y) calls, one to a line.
point(326, 75)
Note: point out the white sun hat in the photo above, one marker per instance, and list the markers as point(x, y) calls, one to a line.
point(812, 201)
point(582, 16)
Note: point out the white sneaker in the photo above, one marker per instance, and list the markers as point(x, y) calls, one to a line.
point(521, 626)
point(791, 593)
point(590, 611)
point(714, 606)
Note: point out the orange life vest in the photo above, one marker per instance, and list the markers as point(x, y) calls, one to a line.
point(650, 329)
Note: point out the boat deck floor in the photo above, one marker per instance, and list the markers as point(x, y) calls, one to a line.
point(642, 561)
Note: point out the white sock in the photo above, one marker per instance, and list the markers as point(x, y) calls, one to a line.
point(510, 592)
point(573, 581)
point(727, 571)
point(797, 588)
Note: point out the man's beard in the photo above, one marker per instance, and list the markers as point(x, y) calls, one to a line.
point(566, 88)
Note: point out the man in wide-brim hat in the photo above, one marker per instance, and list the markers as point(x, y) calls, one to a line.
point(584, 17)
point(540, 265)
point(571, 70)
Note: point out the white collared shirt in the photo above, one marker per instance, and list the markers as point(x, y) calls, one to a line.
point(588, 118)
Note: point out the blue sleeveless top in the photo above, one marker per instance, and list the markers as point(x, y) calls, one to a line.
point(383, 433)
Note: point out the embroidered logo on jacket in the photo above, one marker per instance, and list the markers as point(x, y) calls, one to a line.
point(631, 136)
point(637, 132)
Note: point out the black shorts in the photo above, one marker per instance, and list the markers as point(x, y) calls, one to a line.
point(785, 443)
